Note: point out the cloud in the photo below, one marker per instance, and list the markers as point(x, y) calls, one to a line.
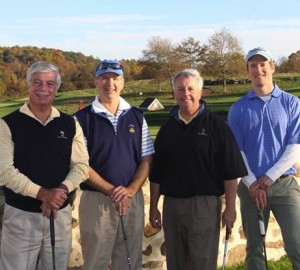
point(126, 35)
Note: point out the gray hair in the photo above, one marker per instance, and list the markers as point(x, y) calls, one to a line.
point(188, 72)
point(43, 67)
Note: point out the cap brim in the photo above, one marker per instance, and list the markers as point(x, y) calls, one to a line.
point(265, 55)
point(100, 72)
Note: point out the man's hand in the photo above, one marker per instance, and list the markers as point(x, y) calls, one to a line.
point(46, 211)
point(120, 192)
point(155, 217)
point(264, 183)
point(52, 200)
point(228, 218)
point(122, 206)
point(259, 198)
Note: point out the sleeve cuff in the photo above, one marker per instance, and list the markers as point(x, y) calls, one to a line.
point(32, 190)
point(68, 184)
point(274, 173)
point(248, 180)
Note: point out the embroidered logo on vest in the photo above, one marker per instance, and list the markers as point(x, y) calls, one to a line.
point(131, 128)
point(203, 132)
point(61, 135)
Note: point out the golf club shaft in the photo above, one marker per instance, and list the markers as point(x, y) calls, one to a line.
point(225, 248)
point(261, 222)
point(125, 241)
point(52, 236)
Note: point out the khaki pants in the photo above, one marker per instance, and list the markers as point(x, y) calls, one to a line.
point(26, 237)
point(101, 232)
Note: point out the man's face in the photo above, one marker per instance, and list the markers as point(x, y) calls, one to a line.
point(187, 94)
point(260, 71)
point(42, 88)
point(109, 86)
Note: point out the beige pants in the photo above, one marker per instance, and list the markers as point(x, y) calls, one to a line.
point(26, 240)
point(101, 232)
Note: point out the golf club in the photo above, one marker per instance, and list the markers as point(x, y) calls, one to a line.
point(52, 236)
point(225, 247)
point(125, 241)
point(262, 233)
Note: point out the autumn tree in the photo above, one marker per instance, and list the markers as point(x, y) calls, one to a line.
point(159, 59)
point(191, 53)
point(290, 64)
point(132, 70)
point(224, 56)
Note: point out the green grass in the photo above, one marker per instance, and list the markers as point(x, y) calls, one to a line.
point(282, 264)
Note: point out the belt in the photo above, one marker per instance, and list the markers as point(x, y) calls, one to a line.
point(284, 175)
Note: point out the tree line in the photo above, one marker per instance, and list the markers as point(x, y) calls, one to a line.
point(222, 58)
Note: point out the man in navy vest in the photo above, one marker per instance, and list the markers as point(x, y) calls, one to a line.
point(120, 149)
point(42, 159)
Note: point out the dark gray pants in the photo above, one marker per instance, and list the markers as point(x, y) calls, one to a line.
point(192, 230)
point(284, 202)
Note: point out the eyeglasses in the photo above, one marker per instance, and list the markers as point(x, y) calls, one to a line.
point(105, 65)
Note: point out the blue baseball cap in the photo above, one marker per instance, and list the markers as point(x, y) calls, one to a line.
point(259, 51)
point(106, 66)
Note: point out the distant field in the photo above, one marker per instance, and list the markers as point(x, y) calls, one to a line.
point(219, 102)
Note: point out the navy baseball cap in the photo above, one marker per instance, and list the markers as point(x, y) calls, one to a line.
point(106, 66)
point(259, 51)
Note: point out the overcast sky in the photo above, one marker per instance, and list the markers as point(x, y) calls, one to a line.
point(120, 29)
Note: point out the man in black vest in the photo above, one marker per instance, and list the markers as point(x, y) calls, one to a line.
point(42, 159)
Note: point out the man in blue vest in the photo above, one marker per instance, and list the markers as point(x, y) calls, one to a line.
point(120, 149)
point(42, 159)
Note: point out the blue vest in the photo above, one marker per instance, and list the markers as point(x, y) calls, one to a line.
point(113, 155)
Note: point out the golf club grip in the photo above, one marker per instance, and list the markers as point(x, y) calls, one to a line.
point(225, 247)
point(227, 234)
point(52, 231)
point(261, 223)
point(123, 228)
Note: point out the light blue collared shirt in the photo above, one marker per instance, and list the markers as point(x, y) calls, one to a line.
point(263, 129)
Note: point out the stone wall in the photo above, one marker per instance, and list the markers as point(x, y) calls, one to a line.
point(153, 243)
point(154, 249)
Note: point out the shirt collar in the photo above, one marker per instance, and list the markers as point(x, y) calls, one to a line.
point(176, 114)
point(275, 93)
point(99, 108)
point(190, 120)
point(26, 110)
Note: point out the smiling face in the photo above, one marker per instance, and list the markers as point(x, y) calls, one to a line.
point(109, 86)
point(260, 72)
point(187, 94)
point(42, 89)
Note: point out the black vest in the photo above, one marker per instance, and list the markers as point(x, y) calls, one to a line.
point(42, 153)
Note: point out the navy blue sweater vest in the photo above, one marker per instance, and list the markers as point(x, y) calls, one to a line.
point(42, 153)
point(114, 155)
